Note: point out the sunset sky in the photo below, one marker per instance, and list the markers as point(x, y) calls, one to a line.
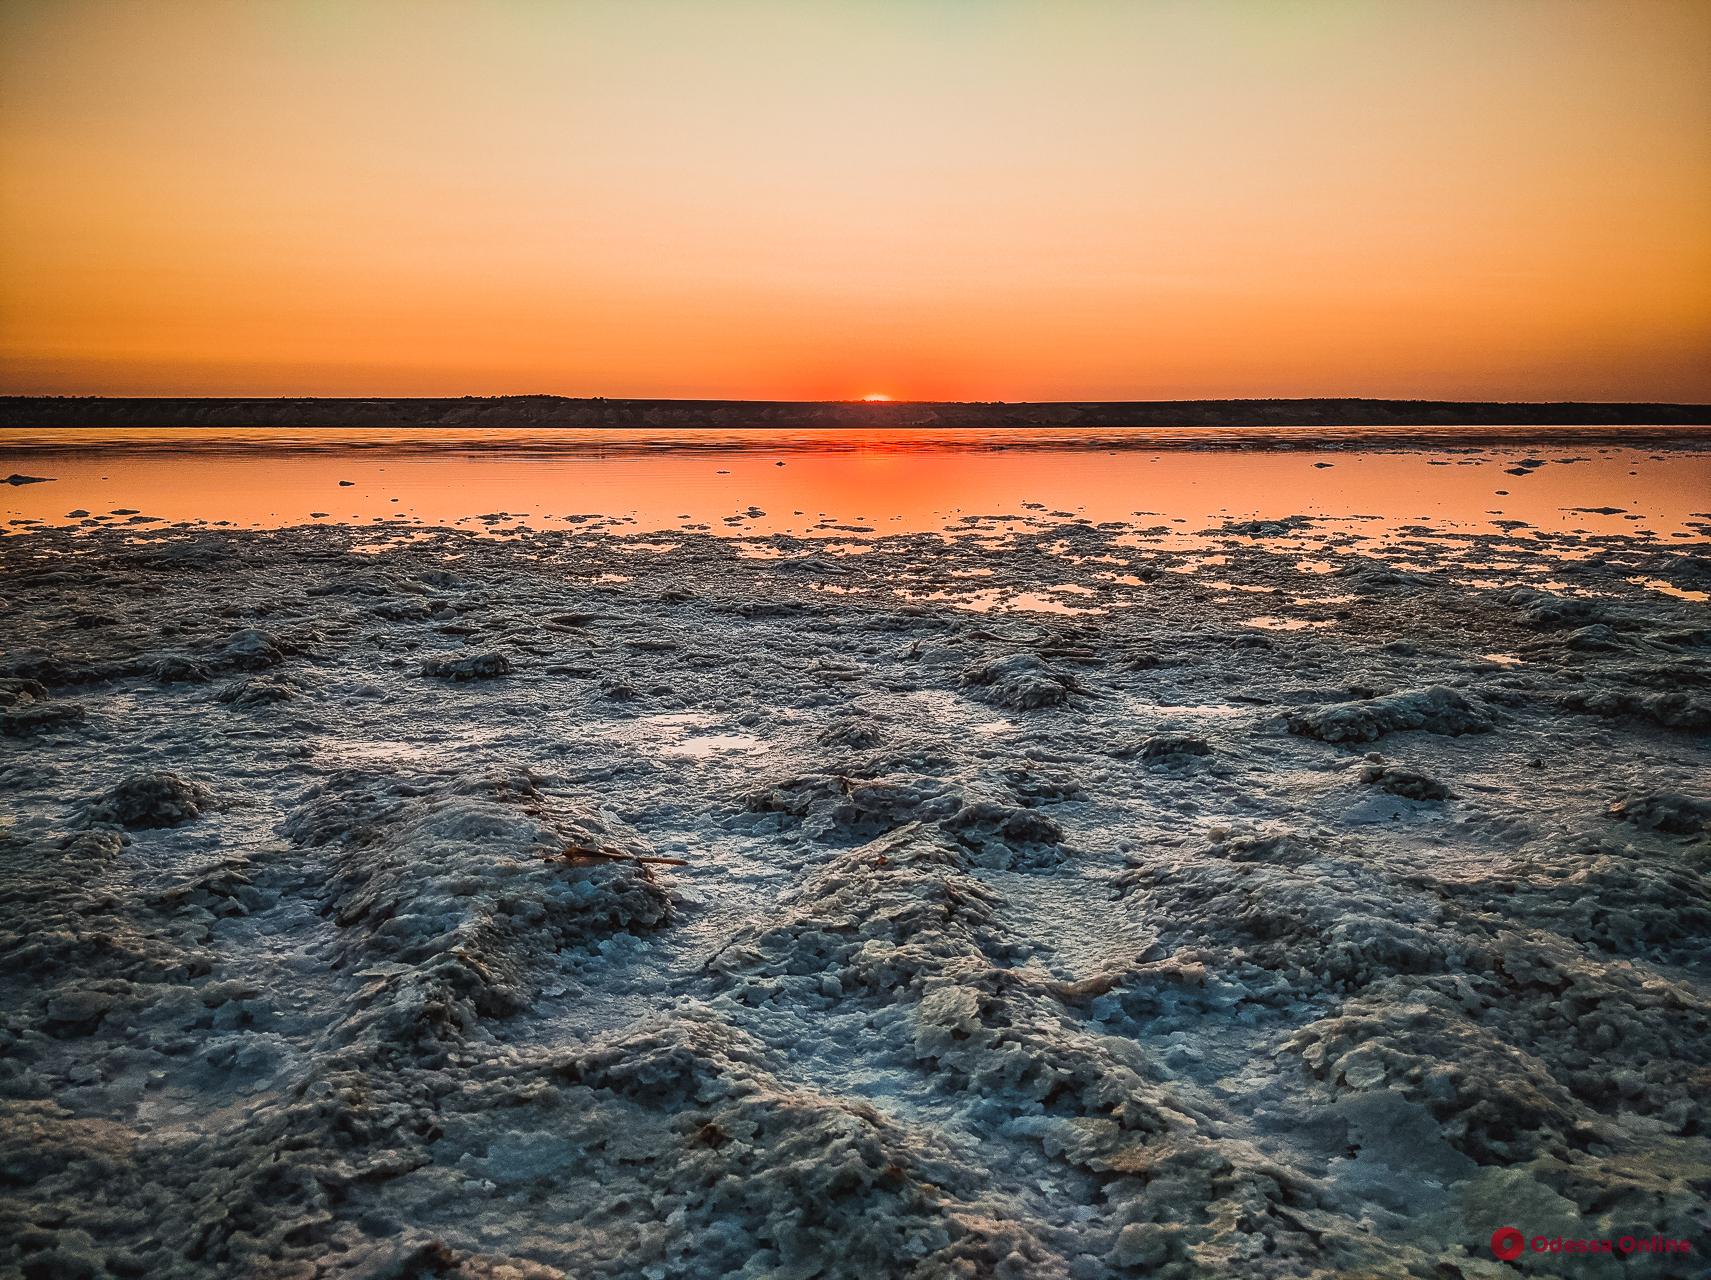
point(933, 199)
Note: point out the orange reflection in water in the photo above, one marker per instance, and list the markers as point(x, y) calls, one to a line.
point(886, 482)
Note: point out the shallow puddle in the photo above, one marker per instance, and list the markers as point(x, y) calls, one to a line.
point(712, 744)
point(1270, 622)
point(1670, 589)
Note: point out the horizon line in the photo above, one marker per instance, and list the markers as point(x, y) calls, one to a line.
point(870, 402)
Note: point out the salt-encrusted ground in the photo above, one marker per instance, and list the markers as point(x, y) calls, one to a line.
point(1132, 939)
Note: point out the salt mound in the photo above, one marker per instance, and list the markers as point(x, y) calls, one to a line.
point(1434, 710)
point(1022, 682)
point(479, 666)
point(450, 895)
point(159, 798)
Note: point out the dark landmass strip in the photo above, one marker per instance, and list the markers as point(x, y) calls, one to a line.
point(559, 411)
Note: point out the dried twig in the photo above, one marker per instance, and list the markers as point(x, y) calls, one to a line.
point(573, 854)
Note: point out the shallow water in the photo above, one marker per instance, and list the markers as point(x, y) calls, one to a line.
point(862, 483)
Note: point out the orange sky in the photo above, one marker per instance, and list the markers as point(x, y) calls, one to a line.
point(961, 199)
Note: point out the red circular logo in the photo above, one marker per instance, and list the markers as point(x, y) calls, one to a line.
point(1507, 1243)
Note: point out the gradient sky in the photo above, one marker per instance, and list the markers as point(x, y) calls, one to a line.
point(958, 199)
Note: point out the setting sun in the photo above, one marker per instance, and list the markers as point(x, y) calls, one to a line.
point(875, 396)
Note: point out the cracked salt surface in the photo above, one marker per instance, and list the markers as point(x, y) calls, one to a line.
point(694, 921)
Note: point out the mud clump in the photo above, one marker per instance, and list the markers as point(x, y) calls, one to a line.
point(253, 650)
point(260, 691)
point(1021, 682)
point(1005, 837)
point(1436, 710)
point(461, 667)
point(837, 809)
point(28, 721)
point(1170, 748)
point(1398, 780)
point(159, 798)
point(180, 668)
point(1547, 612)
point(1622, 904)
point(1493, 1102)
point(879, 919)
point(858, 733)
point(26, 710)
point(1269, 528)
point(1668, 811)
point(1679, 709)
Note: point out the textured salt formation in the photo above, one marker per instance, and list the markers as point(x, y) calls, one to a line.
point(1434, 710)
point(744, 928)
point(1020, 680)
point(26, 709)
point(157, 799)
point(1400, 780)
point(479, 666)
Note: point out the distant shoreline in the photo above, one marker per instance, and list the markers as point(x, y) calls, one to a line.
point(561, 411)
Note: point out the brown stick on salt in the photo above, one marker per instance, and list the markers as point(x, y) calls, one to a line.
point(614, 855)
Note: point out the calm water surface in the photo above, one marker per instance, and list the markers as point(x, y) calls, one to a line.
point(861, 483)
